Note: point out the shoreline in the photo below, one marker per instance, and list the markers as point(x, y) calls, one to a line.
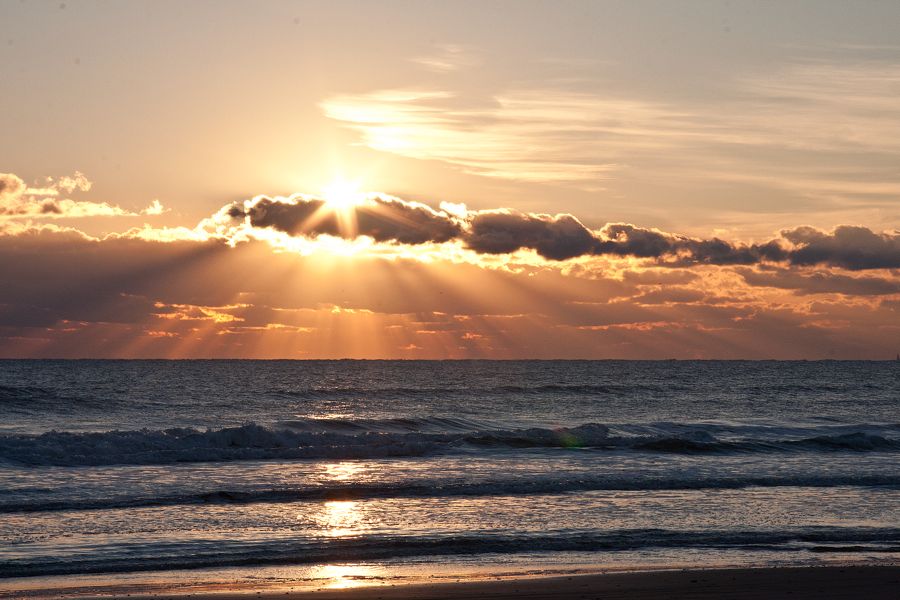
point(850, 583)
point(738, 583)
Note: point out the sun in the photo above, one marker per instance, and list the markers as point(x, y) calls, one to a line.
point(342, 200)
point(341, 194)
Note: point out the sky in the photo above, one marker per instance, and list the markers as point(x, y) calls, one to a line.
point(640, 180)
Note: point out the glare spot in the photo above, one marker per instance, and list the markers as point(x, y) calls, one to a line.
point(341, 518)
point(341, 194)
point(345, 576)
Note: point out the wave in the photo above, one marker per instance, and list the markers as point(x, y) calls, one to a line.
point(590, 389)
point(855, 442)
point(430, 424)
point(255, 442)
point(200, 553)
point(341, 439)
point(320, 392)
point(36, 501)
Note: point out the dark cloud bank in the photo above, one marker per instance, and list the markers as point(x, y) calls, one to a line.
point(385, 220)
point(562, 237)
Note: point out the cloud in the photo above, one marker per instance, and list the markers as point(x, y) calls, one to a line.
point(562, 237)
point(660, 276)
point(554, 237)
point(448, 58)
point(135, 280)
point(11, 187)
point(624, 239)
point(821, 282)
point(855, 95)
point(155, 208)
point(19, 201)
point(397, 223)
point(757, 134)
point(850, 247)
point(670, 295)
point(63, 293)
point(528, 135)
point(381, 218)
point(69, 184)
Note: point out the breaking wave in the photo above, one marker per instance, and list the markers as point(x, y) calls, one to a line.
point(349, 439)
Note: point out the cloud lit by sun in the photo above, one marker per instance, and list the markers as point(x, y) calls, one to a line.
point(582, 195)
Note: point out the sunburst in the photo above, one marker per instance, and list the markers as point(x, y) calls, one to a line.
point(342, 194)
point(342, 197)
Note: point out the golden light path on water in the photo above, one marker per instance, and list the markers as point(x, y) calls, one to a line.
point(342, 518)
point(343, 471)
point(345, 576)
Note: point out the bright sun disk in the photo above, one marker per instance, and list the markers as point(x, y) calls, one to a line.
point(341, 194)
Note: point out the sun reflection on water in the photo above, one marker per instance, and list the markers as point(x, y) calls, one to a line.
point(342, 471)
point(341, 518)
point(345, 576)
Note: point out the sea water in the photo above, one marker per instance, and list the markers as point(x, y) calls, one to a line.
point(318, 471)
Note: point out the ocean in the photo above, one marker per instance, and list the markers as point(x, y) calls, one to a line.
point(334, 473)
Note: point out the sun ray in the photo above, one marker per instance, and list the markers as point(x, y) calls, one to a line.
point(342, 197)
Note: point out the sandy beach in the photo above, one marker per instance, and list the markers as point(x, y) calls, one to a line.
point(794, 583)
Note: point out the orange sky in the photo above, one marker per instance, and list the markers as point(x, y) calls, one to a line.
point(596, 180)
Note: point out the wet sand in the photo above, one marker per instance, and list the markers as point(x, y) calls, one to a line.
point(856, 582)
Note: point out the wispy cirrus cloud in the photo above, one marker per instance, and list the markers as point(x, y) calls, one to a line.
point(826, 129)
point(447, 58)
point(858, 97)
point(524, 135)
